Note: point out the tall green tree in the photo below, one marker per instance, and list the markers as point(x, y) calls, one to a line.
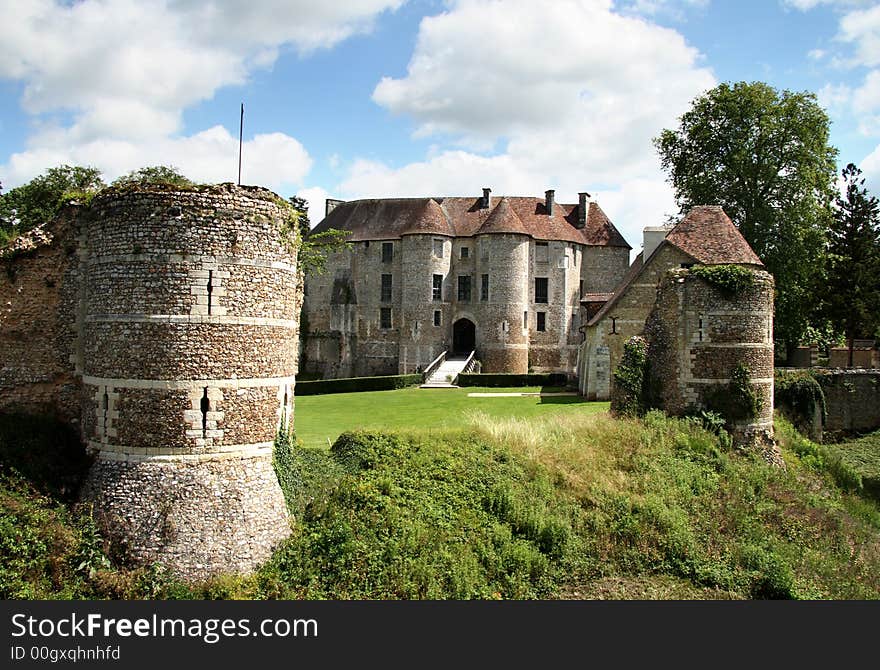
point(764, 157)
point(853, 260)
point(27, 206)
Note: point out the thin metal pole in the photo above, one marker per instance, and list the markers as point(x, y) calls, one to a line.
point(240, 135)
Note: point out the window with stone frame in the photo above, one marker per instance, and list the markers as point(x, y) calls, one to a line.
point(437, 317)
point(484, 288)
point(542, 252)
point(541, 321)
point(386, 288)
point(484, 249)
point(438, 248)
point(464, 253)
point(385, 318)
point(437, 289)
point(387, 252)
point(464, 288)
point(541, 289)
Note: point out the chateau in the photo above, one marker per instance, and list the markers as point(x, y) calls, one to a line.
point(502, 277)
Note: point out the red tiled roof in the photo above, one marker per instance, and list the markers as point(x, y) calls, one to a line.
point(707, 234)
point(384, 219)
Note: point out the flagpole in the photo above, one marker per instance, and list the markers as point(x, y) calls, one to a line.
point(240, 135)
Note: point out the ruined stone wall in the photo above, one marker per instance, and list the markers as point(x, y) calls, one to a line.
point(40, 282)
point(697, 337)
point(188, 369)
point(852, 400)
point(603, 344)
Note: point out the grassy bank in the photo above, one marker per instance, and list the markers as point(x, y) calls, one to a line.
point(572, 505)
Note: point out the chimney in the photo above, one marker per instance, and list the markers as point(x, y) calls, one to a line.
point(585, 201)
point(330, 204)
point(653, 236)
point(487, 198)
point(548, 201)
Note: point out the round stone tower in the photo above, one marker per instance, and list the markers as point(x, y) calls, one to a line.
point(504, 255)
point(188, 357)
point(700, 334)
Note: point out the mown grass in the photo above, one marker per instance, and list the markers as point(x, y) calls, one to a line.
point(574, 505)
point(863, 456)
point(320, 419)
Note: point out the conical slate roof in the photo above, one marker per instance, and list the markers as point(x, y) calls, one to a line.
point(708, 234)
point(503, 219)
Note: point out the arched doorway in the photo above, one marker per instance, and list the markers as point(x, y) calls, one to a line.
point(464, 336)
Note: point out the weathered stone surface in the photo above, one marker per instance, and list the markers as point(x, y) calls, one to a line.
point(165, 323)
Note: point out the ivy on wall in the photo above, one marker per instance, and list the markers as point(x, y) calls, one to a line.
point(731, 280)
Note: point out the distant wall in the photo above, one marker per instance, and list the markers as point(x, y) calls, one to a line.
point(852, 399)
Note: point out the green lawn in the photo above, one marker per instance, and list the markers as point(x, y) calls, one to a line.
point(319, 418)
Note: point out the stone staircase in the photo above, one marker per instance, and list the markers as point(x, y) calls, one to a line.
point(445, 374)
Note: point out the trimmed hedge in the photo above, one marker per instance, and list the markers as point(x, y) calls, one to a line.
point(356, 384)
point(500, 380)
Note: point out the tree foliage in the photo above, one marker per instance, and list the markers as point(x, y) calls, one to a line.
point(764, 157)
point(853, 260)
point(154, 174)
point(314, 249)
point(29, 205)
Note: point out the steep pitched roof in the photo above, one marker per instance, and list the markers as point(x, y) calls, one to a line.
point(383, 219)
point(503, 219)
point(707, 234)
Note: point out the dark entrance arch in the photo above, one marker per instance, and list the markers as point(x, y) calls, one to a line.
point(464, 336)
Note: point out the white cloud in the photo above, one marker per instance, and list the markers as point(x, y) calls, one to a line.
point(126, 69)
point(274, 160)
point(568, 115)
point(806, 5)
point(862, 29)
point(317, 198)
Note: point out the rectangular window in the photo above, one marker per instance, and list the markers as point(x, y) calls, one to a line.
point(484, 249)
point(581, 289)
point(541, 289)
point(464, 252)
point(387, 252)
point(541, 252)
point(436, 317)
point(386, 288)
point(438, 248)
point(525, 320)
point(484, 288)
point(542, 321)
point(437, 289)
point(464, 288)
point(385, 318)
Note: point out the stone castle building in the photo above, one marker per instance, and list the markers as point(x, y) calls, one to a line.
point(503, 277)
point(698, 333)
point(163, 323)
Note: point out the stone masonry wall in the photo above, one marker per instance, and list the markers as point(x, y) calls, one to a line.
point(698, 335)
point(40, 281)
point(852, 400)
point(189, 349)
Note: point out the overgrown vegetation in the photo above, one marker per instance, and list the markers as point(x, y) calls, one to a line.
point(629, 396)
point(731, 280)
point(572, 506)
point(800, 396)
point(738, 400)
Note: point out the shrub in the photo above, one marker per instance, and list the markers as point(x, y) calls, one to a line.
point(503, 380)
point(729, 279)
point(357, 384)
point(737, 400)
point(801, 395)
point(628, 392)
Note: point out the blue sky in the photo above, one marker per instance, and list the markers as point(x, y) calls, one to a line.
point(383, 98)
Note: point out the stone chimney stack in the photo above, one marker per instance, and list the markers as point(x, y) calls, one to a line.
point(653, 236)
point(583, 209)
point(487, 198)
point(330, 204)
point(548, 201)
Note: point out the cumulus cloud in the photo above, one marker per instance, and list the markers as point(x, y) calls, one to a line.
point(573, 90)
point(274, 160)
point(124, 71)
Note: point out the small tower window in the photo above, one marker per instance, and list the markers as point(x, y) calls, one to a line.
point(437, 317)
point(541, 289)
point(210, 288)
point(437, 288)
point(542, 252)
point(386, 288)
point(484, 288)
point(385, 318)
point(464, 252)
point(614, 324)
point(701, 328)
point(387, 252)
point(438, 248)
point(541, 321)
point(205, 406)
point(105, 406)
